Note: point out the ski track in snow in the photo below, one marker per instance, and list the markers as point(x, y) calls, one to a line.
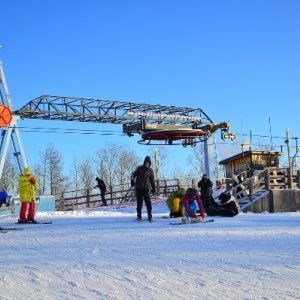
point(105, 254)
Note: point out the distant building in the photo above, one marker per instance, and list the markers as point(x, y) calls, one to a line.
point(248, 161)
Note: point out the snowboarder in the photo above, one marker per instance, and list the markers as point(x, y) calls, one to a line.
point(144, 176)
point(27, 185)
point(190, 201)
point(101, 185)
point(205, 185)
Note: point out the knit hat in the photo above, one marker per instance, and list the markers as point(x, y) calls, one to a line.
point(147, 159)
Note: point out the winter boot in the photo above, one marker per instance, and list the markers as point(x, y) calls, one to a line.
point(31, 220)
point(22, 221)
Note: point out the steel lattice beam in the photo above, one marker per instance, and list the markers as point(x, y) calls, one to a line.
point(104, 111)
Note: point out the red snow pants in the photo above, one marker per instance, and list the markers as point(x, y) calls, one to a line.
point(31, 210)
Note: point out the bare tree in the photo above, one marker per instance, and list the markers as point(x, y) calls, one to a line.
point(128, 160)
point(86, 174)
point(40, 171)
point(49, 171)
point(196, 161)
point(160, 159)
point(115, 163)
point(75, 176)
point(10, 175)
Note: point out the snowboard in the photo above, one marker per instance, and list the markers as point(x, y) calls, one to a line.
point(220, 212)
point(181, 223)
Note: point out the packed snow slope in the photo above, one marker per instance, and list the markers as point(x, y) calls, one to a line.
point(105, 254)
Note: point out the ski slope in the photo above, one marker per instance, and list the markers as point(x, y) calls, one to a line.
point(103, 253)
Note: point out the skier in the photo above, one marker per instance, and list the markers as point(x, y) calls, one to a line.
point(205, 186)
point(144, 176)
point(27, 185)
point(190, 201)
point(101, 185)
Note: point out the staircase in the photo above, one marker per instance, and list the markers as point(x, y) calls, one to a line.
point(251, 190)
point(246, 201)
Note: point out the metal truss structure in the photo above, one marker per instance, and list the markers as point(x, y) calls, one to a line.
point(10, 134)
point(148, 120)
point(134, 117)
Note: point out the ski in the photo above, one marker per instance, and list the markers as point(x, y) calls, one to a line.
point(10, 228)
point(33, 223)
point(181, 223)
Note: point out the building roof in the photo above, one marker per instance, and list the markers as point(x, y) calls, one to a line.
point(249, 153)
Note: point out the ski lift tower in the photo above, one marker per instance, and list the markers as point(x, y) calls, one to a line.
point(9, 129)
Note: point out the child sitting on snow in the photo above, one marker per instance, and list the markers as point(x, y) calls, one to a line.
point(174, 203)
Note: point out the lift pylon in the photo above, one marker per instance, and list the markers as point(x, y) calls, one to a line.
point(9, 129)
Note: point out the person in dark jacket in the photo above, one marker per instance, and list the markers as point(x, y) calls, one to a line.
point(191, 200)
point(143, 180)
point(228, 202)
point(101, 185)
point(205, 185)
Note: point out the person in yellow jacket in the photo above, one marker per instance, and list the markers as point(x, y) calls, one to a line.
point(27, 185)
point(174, 203)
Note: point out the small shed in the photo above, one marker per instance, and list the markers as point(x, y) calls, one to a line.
point(248, 161)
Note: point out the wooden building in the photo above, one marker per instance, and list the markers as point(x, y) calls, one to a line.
point(246, 162)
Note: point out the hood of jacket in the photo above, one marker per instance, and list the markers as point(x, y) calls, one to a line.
point(27, 170)
point(147, 159)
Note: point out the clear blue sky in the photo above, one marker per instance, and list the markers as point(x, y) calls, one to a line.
point(237, 60)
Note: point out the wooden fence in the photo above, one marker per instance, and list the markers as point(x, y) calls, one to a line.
point(86, 198)
point(268, 179)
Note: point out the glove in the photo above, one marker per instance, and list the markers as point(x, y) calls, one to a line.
point(193, 215)
point(132, 182)
point(153, 191)
point(32, 180)
point(203, 214)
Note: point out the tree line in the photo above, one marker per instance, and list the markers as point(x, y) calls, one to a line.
point(114, 163)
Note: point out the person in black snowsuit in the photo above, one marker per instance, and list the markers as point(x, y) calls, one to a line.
point(143, 180)
point(101, 185)
point(228, 202)
point(205, 185)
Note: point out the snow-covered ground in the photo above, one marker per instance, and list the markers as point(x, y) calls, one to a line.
point(105, 254)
